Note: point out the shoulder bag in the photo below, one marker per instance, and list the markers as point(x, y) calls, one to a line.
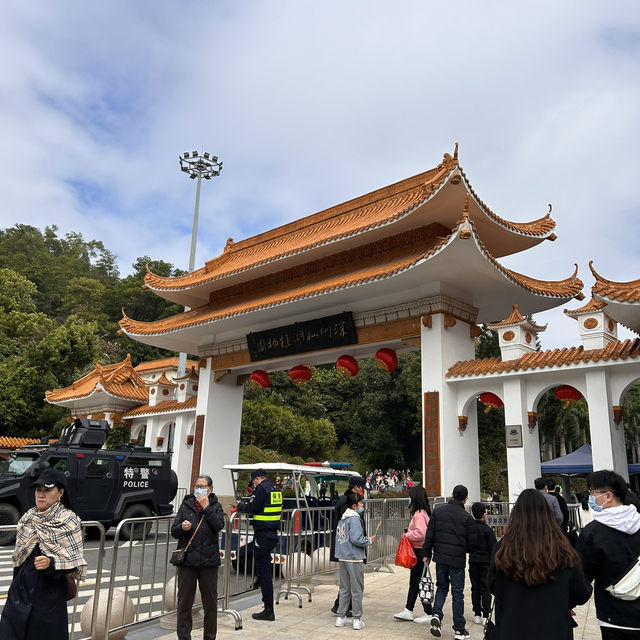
point(425, 586)
point(490, 632)
point(178, 555)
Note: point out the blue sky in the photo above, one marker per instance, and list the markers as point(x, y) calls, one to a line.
point(309, 104)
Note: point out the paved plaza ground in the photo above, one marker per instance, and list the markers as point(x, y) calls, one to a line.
point(384, 596)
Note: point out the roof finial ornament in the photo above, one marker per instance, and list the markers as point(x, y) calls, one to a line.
point(455, 153)
point(550, 208)
point(229, 244)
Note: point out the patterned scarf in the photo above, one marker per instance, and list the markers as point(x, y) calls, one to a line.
point(58, 531)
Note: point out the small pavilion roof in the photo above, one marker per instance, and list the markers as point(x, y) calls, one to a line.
point(162, 380)
point(117, 380)
point(168, 406)
point(427, 197)
point(622, 298)
point(546, 359)
point(376, 267)
point(516, 318)
point(163, 365)
point(592, 305)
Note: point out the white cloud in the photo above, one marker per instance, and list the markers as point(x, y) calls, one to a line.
point(309, 104)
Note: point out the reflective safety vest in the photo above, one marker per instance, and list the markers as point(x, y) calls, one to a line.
point(272, 508)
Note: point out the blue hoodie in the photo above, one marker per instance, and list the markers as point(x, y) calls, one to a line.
point(350, 539)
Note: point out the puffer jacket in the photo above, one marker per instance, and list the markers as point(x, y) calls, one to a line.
point(350, 539)
point(204, 550)
point(417, 529)
point(448, 535)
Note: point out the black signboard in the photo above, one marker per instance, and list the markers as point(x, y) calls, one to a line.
point(302, 337)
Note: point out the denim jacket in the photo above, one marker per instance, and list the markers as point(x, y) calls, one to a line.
point(350, 539)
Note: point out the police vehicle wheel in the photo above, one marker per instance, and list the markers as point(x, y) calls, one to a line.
point(135, 531)
point(8, 515)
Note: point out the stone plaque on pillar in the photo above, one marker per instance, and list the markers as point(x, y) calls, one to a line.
point(432, 443)
point(513, 435)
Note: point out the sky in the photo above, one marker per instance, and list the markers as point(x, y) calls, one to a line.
point(309, 104)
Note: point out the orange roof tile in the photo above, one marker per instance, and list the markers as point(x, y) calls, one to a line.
point(7, 442)
point(119, 380)
point(619, 291)
point(592, 305)
point(163, 380)
point(374, 267)
point(543, 359)
point(163, 365)
point(516, 318)
point(168, 406)
point(355, 216)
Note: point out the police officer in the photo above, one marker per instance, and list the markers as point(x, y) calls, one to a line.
point(266, 507)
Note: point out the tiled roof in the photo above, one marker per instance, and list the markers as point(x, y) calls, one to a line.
point(543, 359)
point(163, 380)
point(375, 267)
point(15, 443)
point(168, 406)
point(366, 212)
point(119, 380)
point(619, 291)
point(163, 365)
point(592, 305)
point(516, 318)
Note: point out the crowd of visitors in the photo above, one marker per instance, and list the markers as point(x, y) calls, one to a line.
point(389, 480)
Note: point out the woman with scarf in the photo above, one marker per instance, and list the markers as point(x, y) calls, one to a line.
point(48, 549)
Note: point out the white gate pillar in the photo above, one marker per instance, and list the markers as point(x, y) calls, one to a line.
point(607, 440)
point(217, 433)
point(523, 463)
point(449, 454)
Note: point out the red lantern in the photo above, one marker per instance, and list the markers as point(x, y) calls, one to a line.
point(260, 378)
point(567, 394)
point(491, 401)
point(387, 359)
point(347, 366)
point(300, 374)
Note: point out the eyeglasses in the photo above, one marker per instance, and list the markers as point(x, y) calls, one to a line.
point(202, 486)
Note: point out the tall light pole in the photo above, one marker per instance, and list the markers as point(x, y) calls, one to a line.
point(197, 167)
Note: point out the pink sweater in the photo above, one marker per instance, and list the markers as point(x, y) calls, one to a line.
point(418, 528)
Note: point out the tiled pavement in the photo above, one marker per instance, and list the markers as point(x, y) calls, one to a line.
point(384, 595)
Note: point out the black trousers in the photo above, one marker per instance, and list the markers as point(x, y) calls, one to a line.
point(609, 633)
point(264, 543)
point(480, 595)
point(207, 579)
point(414, 582)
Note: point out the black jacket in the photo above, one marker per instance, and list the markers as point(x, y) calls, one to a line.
point(448, 535)
point(204, 550)
point(481, 542)
point(607, 554)
point(564, 509)
point(543, 611)
point(338, 511)
point(260, 499)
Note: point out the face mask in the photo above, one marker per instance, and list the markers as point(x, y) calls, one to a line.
point(360, 510)
point(593, 505)
point(200, 492)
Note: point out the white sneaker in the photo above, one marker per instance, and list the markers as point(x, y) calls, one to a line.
point(425, 619)
point(340, 622)
point(358, 624)
point(405, 615)
point(478, 620)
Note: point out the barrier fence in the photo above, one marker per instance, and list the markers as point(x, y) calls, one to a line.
point(131, 582)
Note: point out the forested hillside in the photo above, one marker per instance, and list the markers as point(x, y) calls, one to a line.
point(61, 299)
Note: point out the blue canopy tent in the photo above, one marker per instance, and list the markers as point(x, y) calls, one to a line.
point(575, 463)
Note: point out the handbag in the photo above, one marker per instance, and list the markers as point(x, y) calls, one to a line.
point(72, 587)
point(425, 586)
point(178, 555)
point(628, 587)
point(405, 557)
point(490, 631)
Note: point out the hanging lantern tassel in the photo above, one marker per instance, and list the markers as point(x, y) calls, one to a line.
point(347, 366)
point(567, 394)
point(491, 401)
point(300, 374)
point(260, 378)
point(387, 359)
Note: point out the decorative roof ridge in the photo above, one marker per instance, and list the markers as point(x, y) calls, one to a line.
point(150, 365)
point(624, 292)
point(539, 227)
point(190, 374)
point(163, 380)
point(516, 318)
point(615, 350)
point(592, 305)
point(428, 182)
point(166, 406)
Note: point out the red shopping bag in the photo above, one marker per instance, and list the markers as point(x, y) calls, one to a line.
point(405, 557)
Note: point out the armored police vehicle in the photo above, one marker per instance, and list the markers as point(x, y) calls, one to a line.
point(107, 486)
